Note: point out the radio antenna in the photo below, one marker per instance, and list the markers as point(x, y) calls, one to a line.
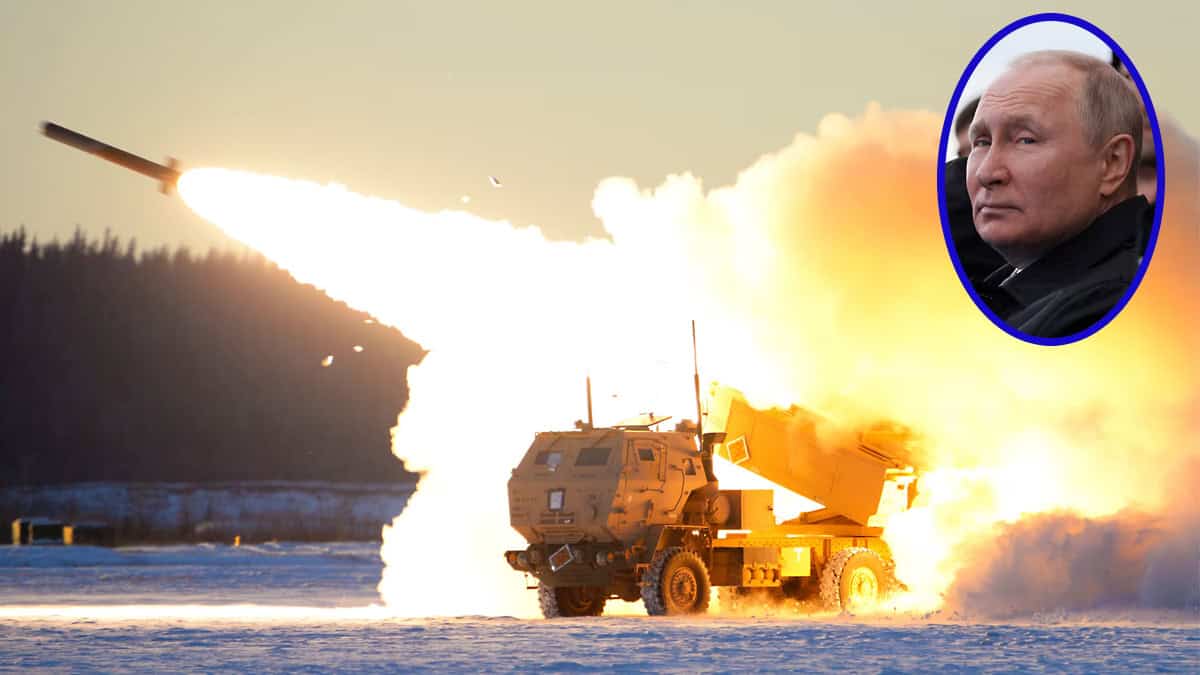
point(591, 424)
point(696, 382)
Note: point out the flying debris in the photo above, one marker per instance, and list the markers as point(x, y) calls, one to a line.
point(358, 348)
point(327, 361)
point(466, 199)
point(167, 175)
point(495, 181)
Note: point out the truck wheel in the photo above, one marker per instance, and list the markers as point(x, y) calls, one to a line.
point(571, 601)
point(853, 579)
point(676, 583)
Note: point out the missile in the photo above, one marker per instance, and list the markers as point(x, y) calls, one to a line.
point(166, 175)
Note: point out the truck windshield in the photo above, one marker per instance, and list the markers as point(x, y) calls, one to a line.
point(593, 457)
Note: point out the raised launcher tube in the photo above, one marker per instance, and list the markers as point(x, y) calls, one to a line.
point(844, 471)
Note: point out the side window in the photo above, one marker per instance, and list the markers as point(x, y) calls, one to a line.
point(646, 454)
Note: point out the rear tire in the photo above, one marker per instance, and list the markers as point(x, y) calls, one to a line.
point(568, 601)
point(854, 579)
point(676, 583)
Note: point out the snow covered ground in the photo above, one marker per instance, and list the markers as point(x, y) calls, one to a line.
point(317, 575)
point(277, 607)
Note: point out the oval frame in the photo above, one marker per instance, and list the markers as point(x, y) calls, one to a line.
point(948, 125)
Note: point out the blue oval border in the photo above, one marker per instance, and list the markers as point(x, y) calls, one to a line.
point(948, 123)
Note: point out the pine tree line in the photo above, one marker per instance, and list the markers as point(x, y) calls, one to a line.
point(167, 366)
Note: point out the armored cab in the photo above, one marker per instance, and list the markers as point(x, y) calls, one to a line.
point(604, 486)
point(588, 502)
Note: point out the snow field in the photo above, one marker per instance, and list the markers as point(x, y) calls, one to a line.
point(308, 607)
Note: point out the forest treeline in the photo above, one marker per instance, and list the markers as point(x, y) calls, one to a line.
point(117, 365)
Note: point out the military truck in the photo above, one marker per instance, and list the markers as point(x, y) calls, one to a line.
point(634, 513)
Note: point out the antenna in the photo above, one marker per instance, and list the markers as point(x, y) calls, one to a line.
point(706, 456)
point(696, 382)
point(589, 402)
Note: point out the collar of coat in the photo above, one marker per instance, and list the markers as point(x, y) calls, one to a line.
point(1116, 230)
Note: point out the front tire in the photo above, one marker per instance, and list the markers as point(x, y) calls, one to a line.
point(568, 601)
point(676, 583)
point(853, 580)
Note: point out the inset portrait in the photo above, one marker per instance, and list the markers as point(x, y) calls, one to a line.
point(1050, 179)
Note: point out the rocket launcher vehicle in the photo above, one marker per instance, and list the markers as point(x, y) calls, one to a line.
point(635, 513)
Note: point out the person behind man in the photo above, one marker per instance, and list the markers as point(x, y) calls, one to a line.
point(976, 258)
point(1053, 189)
point(962, 123)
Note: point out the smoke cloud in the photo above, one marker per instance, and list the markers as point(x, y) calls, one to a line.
point(820, 277)
point(1059, 561)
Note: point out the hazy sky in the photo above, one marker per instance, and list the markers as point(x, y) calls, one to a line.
point(421, 102)
point(1035, 36)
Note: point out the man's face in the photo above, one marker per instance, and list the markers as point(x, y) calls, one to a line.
point(1033, 177)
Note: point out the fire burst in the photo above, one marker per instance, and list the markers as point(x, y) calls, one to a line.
point(820, 278)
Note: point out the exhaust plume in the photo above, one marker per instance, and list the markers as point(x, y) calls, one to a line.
point(819, 277)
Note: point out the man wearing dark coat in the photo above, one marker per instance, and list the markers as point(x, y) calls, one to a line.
point(1053, 190)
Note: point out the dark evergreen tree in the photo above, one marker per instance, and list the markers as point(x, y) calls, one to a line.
point(175, 367)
